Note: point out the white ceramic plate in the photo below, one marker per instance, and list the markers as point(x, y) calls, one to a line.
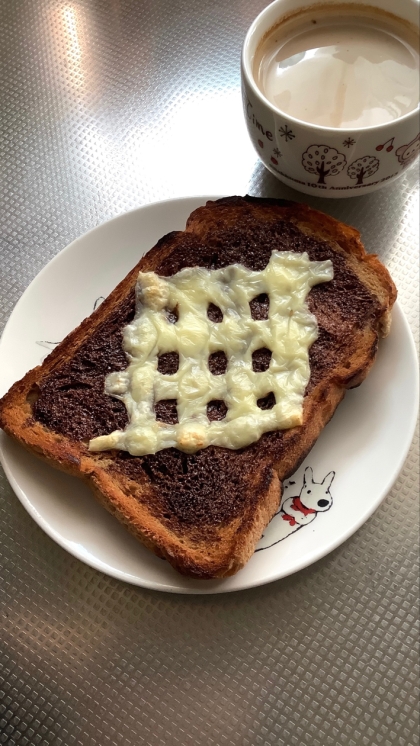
point(365, 444)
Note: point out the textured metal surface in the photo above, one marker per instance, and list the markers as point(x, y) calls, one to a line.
point(107, 105)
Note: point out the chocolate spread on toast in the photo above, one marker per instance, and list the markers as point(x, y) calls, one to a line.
point(191, 489)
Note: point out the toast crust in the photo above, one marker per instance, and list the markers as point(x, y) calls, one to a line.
point(212, 533)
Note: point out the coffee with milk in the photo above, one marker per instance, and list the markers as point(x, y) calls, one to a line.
point(344, 67)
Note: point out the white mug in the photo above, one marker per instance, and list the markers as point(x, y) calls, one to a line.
point(320, 160)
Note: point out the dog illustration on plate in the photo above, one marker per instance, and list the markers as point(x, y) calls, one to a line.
point(296, 512)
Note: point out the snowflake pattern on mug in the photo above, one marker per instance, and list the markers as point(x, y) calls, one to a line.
point(286, 132)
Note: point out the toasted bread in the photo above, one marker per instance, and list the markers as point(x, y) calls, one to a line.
point(205, 512)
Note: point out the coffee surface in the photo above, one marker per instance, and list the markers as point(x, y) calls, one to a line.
point(342, 70)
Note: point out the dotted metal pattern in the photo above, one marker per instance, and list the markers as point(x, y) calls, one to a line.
point(107, 105)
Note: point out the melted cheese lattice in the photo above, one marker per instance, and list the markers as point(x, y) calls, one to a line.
point(288, 332)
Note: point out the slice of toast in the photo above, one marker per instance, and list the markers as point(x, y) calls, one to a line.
point(205, 512)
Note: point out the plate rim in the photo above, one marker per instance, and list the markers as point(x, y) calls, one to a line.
point(218, 585)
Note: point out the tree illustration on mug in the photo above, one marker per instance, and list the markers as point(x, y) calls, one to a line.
point(365, 166)
point(324, 161)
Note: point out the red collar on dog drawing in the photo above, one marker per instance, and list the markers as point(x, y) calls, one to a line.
point(289, 518)
point(298, 506)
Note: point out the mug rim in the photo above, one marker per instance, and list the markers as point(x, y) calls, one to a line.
point(247, 73)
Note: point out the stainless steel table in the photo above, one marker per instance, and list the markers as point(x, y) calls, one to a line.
point(107, 105)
